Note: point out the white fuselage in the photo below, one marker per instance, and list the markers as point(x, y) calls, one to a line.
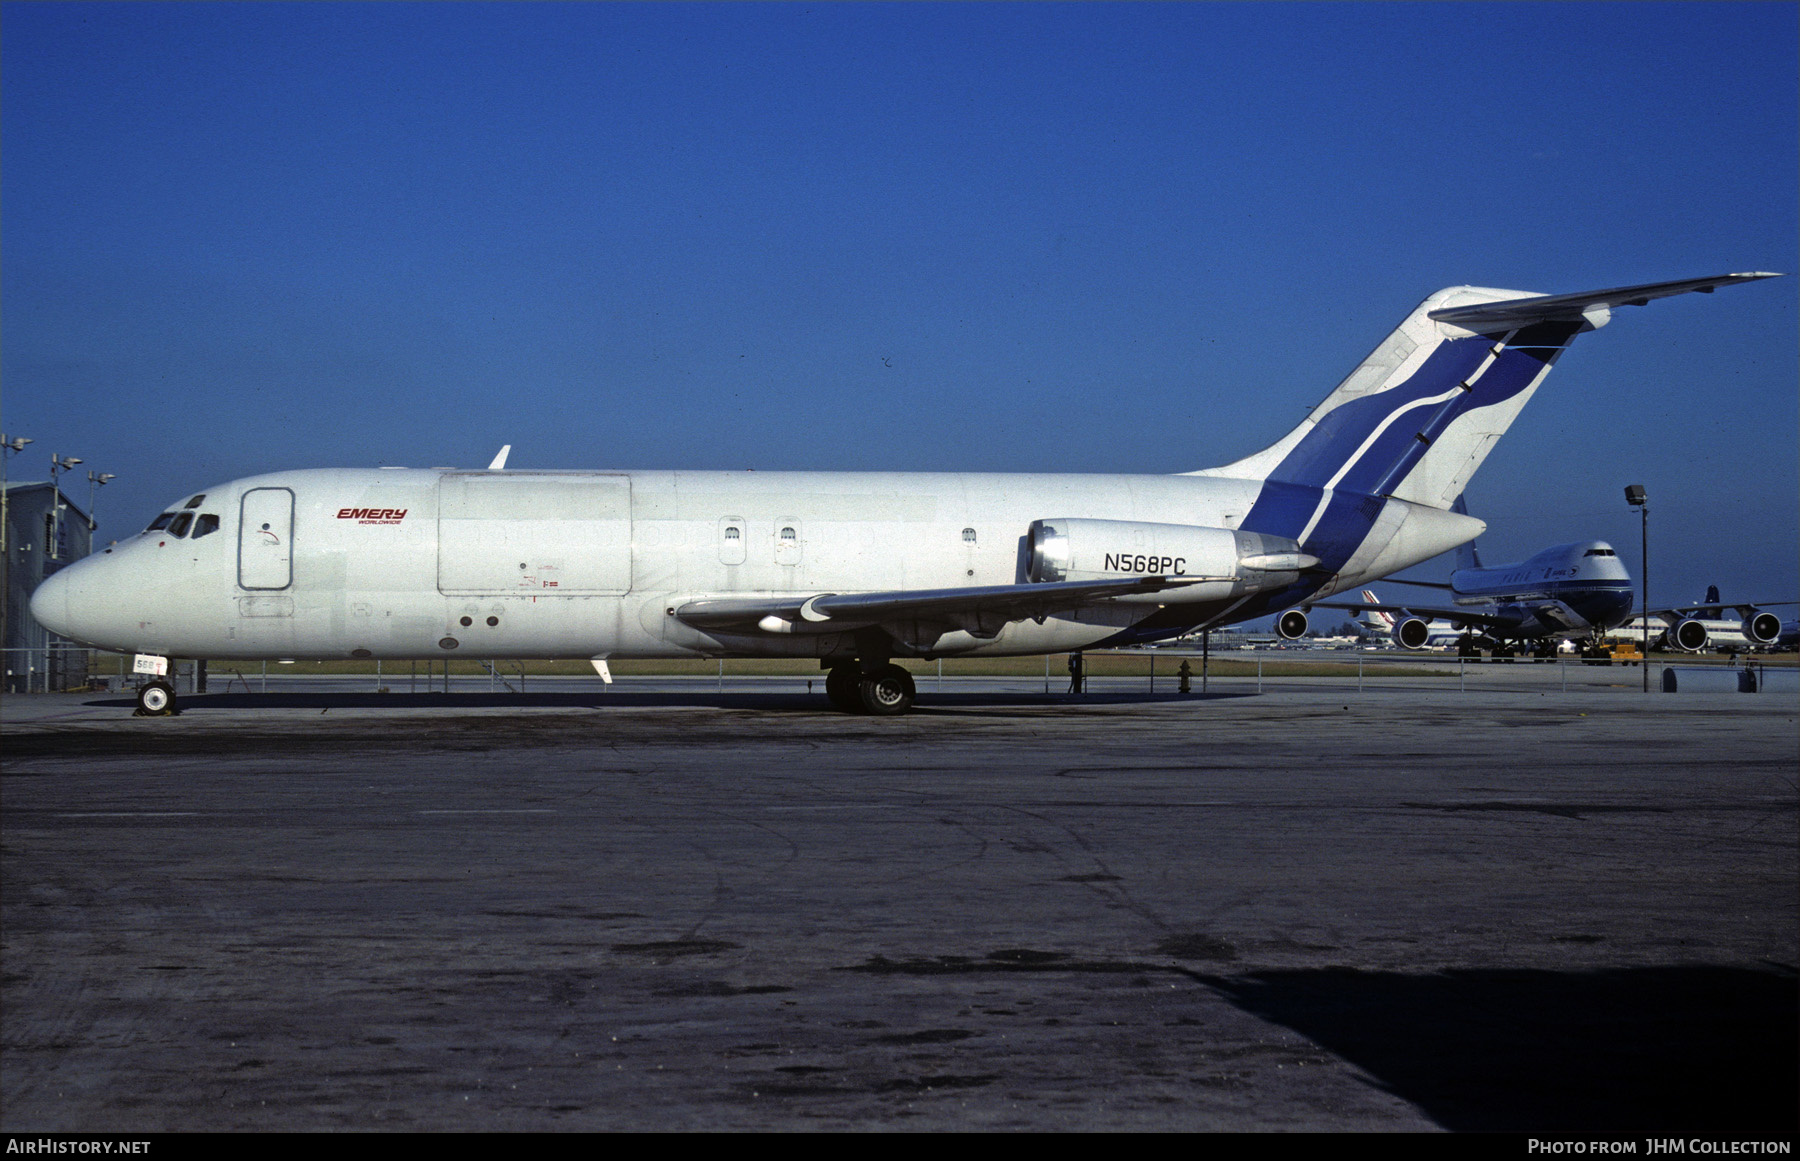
point(404, 563)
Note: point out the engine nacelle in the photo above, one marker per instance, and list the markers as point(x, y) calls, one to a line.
point(1688, 634)
point(1761, 628)
point(1412, 633)
point(1225, 563)
point(1291, 625)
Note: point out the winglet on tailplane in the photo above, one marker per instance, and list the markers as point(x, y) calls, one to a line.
point(1421, 413)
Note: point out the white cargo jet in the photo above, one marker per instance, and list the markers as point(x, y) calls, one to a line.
point(854, 569)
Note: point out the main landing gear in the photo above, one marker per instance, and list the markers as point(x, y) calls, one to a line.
point(886, 690)
point(156, 699)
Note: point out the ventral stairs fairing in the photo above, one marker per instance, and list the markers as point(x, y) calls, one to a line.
point(854, 569)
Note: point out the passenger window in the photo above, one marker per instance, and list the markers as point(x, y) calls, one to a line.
point(179, 525)
point(206, 525)
point(161, 522)
point(969, 535)
point(788, 534)
point(195, 502)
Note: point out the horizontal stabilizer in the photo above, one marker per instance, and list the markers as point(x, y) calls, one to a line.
point(831, 612)
point(1518, 312)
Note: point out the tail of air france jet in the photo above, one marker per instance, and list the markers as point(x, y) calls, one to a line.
point(1422, 412)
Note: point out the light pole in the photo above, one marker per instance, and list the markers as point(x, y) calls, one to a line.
point(8, 449)
point(96, 481)
point(1634, 496)
point(58, 465)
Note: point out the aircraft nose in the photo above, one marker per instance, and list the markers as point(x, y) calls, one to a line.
point(50, 604)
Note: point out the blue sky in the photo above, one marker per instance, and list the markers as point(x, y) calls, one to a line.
point(1015, 237)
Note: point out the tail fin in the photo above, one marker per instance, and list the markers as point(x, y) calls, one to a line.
point(1377, 621)
point(1421, 413)
point(1467, 555)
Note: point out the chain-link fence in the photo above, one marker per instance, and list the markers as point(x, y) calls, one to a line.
point(52, 669)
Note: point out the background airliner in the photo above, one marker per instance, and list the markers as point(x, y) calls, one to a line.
point(1570, 592)
point(854, 569)
point(1706, 625)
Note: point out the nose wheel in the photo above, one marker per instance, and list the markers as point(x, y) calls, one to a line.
point(155, 699)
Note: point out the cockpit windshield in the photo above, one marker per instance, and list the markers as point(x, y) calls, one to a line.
point(161, 522)
point(179, 525)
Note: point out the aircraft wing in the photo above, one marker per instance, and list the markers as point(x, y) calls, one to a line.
point(1593, 304)
point(1400, 580)
point(981, 606)
point(1460, 615)
point(1716, 610)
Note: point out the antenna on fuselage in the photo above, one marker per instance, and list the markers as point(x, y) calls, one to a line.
point(499, 463)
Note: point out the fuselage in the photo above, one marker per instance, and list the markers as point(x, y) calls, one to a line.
point(1581, 588)
point(409, 563)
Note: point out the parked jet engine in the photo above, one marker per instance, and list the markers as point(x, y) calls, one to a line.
point(1689, 634)
point(1761, 628)
point(1224, 563)
point(1411, 632)
point(1291, 625)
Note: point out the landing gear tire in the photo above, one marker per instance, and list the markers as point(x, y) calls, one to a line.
point(156, 699)
point(841, 687)
point(888, 692)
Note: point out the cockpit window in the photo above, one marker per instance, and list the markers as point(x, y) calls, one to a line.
point(207, 524)
point(195, 502)
point(179, 525)
point(161, 522)
point(1599, 552)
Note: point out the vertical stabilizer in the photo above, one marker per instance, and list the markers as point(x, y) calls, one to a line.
point(1467, 555)
point(1417, 418)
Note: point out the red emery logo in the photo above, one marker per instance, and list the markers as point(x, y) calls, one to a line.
point(373, 515)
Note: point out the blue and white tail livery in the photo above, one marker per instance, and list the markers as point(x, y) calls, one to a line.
point(1416, 420)
point(853, 569)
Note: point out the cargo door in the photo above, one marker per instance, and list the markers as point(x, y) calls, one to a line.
point(265, 539)
point(542, 533)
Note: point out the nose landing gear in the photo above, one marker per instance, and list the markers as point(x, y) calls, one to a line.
point(155, 699)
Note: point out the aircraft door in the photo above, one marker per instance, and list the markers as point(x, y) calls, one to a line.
point(546, 534)
point(265, 539)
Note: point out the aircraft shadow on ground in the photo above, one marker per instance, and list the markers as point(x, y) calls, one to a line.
point(766, 702)
point(1624, 1053)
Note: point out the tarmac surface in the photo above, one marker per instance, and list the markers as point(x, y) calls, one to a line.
point(1569, 912)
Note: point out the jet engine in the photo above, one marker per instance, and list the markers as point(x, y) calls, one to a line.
point(1291, 625)
point(1411, 633)
point(1761, 628)
point(1688, 634)
point(1225, 563)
